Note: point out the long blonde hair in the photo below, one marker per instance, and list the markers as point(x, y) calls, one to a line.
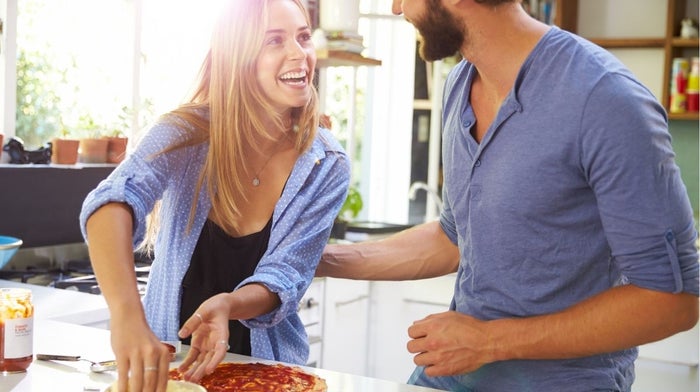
point(236, 108)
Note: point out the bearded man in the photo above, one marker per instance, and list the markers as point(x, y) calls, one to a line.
point(565, 216)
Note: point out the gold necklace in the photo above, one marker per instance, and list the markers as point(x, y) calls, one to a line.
point(256, 177)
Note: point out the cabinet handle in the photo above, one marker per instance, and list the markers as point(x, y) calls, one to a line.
point(348, 302)
point(420, 302)
point(307, 304)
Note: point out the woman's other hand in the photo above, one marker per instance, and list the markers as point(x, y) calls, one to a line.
point(208, 327)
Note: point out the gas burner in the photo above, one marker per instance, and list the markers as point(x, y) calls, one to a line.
point(74, 275)
point(86, 284)
point(36, 276)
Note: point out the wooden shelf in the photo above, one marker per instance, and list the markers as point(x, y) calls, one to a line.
point(685, 42)
point(672, 45)
point(611, 43)
point(684, 116)
point(334, 58)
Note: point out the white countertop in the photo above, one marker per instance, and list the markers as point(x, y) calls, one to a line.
point(57, 331)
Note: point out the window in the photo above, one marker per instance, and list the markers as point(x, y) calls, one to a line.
point(122, 62)
point(117, 67)
point(71, 71)
point(378, 119)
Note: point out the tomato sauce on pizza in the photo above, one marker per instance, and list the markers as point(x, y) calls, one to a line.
point(258, 377)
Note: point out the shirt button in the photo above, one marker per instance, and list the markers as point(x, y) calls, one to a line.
point(477, 163)
point(467, 124)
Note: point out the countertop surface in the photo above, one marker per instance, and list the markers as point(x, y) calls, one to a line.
point(60, 328)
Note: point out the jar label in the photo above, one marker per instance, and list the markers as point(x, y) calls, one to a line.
point(18, 338)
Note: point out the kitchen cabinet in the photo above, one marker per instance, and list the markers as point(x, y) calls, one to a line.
point(345, 325)
point(41, 203)
point(394, 307)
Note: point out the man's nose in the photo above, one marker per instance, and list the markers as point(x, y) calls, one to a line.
point(396, 7)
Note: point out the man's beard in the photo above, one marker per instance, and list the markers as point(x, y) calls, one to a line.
point(440, 33)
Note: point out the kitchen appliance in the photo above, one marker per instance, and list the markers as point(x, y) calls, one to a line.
point(8, 248)
point(40, 267)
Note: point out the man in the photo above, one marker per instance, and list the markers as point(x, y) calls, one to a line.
point(564, 215)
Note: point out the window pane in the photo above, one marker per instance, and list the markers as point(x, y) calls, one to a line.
point(78, 70)
point(175, 39)
point(71, 69)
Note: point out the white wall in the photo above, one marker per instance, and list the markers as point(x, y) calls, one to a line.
point(608, 19)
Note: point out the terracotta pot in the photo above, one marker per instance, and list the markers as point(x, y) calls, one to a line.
point(116, 149)
point(93, 150)
point(1, 145)
point(64, 151)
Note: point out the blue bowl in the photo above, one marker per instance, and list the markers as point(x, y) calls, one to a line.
point(8, 248)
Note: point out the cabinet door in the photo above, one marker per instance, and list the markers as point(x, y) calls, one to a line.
point(395, 306)
point(681, 348)
point(345, 326)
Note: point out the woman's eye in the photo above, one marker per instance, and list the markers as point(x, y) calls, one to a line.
point(274, 41)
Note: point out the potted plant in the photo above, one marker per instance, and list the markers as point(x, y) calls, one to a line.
point(64, 148)
point(348, 211)
point(118, 141)
point(93, 147)
point(116, 146)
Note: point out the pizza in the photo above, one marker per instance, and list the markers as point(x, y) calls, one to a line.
point(258, 377)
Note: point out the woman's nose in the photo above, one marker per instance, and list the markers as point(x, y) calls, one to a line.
point(295, 51)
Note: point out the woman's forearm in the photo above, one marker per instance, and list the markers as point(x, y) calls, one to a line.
point(252, 300)
point(109, 236)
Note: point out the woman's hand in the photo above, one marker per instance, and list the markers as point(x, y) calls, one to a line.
point(143, 361)
point(209, 329)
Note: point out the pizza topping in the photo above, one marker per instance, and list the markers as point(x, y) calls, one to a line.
point(258, 377)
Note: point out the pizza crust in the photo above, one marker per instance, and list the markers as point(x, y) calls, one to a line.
point(258, 377)
point(173, 386)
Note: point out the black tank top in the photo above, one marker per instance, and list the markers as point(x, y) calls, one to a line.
point(219, 263)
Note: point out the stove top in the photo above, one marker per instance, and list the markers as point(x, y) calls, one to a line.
point(72, 275)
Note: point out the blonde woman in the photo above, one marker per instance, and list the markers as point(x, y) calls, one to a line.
point(248, 187)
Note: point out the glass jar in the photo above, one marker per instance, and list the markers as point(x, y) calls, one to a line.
point(16, 329)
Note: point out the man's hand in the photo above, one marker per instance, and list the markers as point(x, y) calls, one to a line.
point(449, 343)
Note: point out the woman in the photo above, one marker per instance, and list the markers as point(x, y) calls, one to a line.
point(249, 187)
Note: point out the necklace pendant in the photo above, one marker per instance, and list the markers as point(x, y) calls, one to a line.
point(256, 181)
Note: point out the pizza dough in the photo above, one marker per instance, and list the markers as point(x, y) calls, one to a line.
point(173, 386)
point(259, 377)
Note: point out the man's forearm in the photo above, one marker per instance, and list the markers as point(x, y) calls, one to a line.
point(420, 252)
point(617, 319)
